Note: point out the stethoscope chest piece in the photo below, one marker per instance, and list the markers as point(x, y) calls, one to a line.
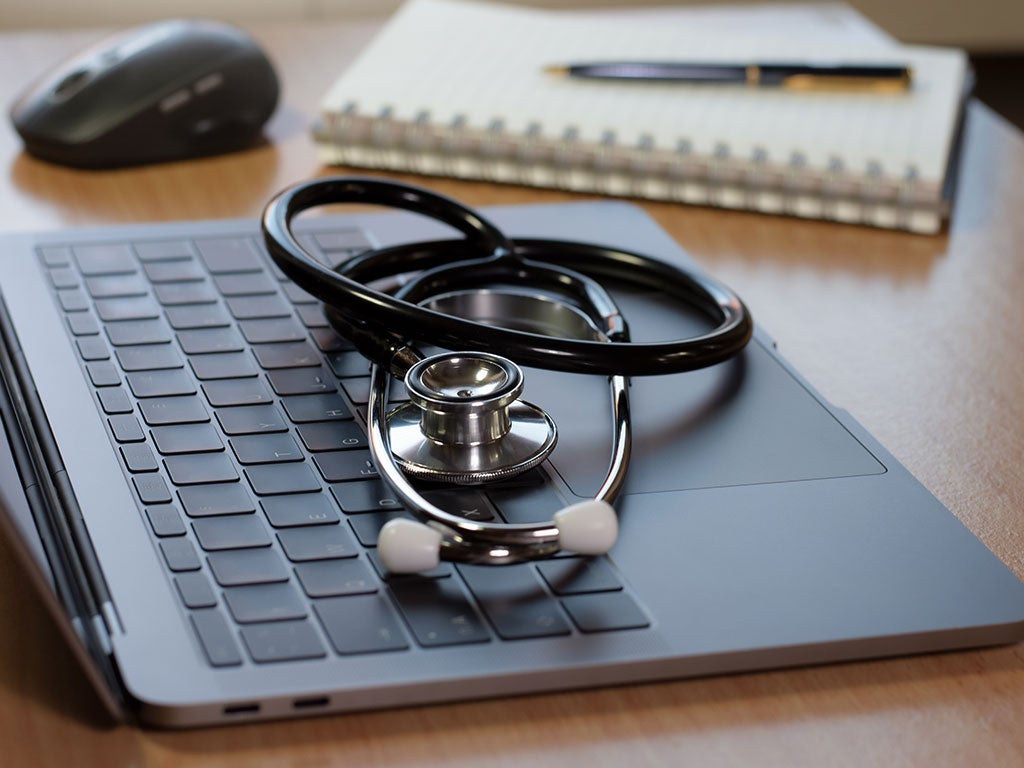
point(464, 422)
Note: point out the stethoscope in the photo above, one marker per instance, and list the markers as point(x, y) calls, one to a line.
point(489, 305)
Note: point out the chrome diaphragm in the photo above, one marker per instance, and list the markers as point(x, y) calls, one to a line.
point(464, 422)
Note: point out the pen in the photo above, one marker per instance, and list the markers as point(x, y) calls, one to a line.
point(796, 76)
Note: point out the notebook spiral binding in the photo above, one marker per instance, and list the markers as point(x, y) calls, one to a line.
point(561, 160)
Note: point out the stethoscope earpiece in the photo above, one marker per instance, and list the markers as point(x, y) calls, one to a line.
point(465, 423)
point(407, 546)
point(586, 528)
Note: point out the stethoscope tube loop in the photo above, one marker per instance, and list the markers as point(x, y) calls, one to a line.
point(484, 383)
point(381, 323)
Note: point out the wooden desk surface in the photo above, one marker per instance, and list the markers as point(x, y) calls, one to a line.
point(919, 337)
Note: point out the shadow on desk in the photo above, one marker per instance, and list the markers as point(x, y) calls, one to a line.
point(176, 190)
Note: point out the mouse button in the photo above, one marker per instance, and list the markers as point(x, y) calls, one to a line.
point(71, 83)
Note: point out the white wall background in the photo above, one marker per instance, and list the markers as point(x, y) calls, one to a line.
point(983, 25)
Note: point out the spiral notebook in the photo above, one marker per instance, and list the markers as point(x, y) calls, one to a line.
point(457, 88)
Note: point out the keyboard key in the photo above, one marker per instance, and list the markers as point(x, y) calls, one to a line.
point(93, 348)
point(265, 449)
point(341, 466)
point(332, 436)
point(148, 357)
point(222, 499)
point(200, 469)
point(138, 457)
point(346, 364)
point(579, 575)
point(186, 438)
point(198, 316)
point(163, 250)
point(202, 341)
point(272, 330)
point(114, 286)
point(142, 332)
point(216, 638)
point(114, 400)
point(55, 255)
point(229, 392)
point(365, 496)
point(367, 527)
point(165, 520)
point(360, 624)
point(229, 365)
point(72, 300)
point(173, 410)
point(312, 315)
point(527, 505)
point(438, 612)
point(229, 254)
point(180, 555)
point(441, 571)
point(325, 407)
point(282, 641)
point(195, 590)
point(64, 277)
point(249, 420)
point(358, 390)
point(514, 601)
point(160, 383)
point(291, 511)
point(151, 489)
point(179, 270)
point(247, 566)
point(272, 479)
point(605, 611)
point(126, 428)
point(301, 381)
point(254, 307)
point(132, 308)
point(104, 259)
point(333, 578)
point(245, 284)
point(103, 374)
point(318, 543)
point(83, 324)
point(231, 532)
point(291, 354)
point(177, 294)
point(264, 602)
point(350, 240)
point(296, 295)
point(465, 502)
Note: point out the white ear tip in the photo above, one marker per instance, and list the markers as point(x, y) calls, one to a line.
point(587, 528)
point(406, 546)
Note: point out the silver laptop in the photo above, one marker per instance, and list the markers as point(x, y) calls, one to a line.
point(187, 474)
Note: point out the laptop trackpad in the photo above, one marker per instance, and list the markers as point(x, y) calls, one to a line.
point(742, 422)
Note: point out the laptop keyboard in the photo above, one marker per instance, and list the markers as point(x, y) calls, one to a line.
point(236, 413)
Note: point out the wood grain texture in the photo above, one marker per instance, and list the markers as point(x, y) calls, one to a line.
point(919, 337)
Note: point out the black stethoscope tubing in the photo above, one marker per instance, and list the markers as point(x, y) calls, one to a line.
point(380, 323)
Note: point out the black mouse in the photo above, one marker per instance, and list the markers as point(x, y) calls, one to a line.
point(165, 91)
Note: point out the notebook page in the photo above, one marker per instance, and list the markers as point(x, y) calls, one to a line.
point(445, 61)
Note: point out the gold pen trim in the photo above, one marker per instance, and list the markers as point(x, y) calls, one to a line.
point(841, 83)
point(753, 75)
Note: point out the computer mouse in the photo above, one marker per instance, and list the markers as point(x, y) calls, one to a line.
point(165, 91)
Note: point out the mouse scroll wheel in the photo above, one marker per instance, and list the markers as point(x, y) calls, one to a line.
point(71, 84)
